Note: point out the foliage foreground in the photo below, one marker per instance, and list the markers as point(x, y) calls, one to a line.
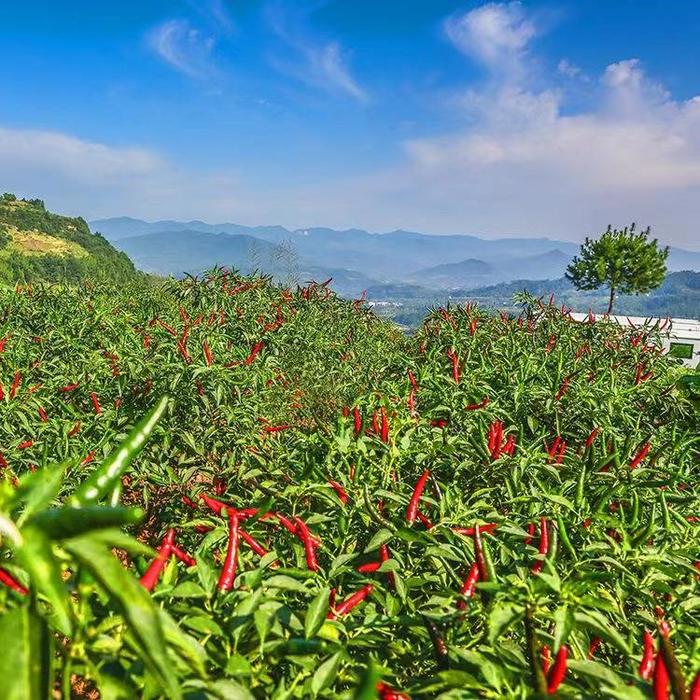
point(495, 507)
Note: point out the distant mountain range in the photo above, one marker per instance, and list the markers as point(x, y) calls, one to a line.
point(404, 261)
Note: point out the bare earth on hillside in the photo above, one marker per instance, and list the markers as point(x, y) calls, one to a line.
point(34, 242)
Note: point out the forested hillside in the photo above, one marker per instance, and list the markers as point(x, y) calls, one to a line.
point(36, 245)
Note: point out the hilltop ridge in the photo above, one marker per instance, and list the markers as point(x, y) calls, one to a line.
point(38, 245)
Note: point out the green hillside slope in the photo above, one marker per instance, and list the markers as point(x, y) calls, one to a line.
point(36, 245)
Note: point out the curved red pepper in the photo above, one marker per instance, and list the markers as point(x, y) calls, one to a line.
point(412, 511)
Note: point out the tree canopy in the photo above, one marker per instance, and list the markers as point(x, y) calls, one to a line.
point(624, 260)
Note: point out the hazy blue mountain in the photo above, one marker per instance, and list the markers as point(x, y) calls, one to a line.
point(357, 257)
point(177, 252)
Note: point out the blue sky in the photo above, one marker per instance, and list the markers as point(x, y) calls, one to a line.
point(545, 118)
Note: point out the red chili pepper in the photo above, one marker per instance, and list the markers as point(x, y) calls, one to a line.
point(695, 688)
point(342, 494)
point(426, 523)
point(591, 437)
point(150, 578)
point(385, 555)
point(43, 415)
point(469, 585)
point(276, 428)
point(412, 401)
point(309, 544)
point(476, 406)
point(95, 403)
point(479, 554)
point(472, 326)
point(369, 567)
point(357, 418)
point(16, 381)
point(530, 533)
point(558, 670)
point(253, 543)
point(3, 343)
point(388, 693)
point(188, 502)
point(74, 430)
point(510, 445)
point(2, 392)
point(146, 341)
point(375, 423)
point(166, 327)
point(562, 389)
point(183, 556)
point(213, 504)
point(412, 379)
point(593, 647)
point(24, 445)
point(544, 545)
point(11, 582)
point(646, 665)
point(254, 352)
point(452, 355)
point(285, 522)
point(660, 678)
point(228, 572)
point(354, 600)
point(88, 458)
point(550, 344)
point(384, 436)
point(643, 452)
point(69, 387)
point(208, 357)
point(469, 531)
point(546, 659)
point(438, 423)
point(412, 510)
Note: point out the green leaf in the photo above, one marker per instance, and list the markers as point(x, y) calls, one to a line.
point(37, 557)
point(563, 624)
point(187, 647)
point(367, 687)
point(203, 624)
point(229, 690)
point(26, 661)
point(188, 589)
point(599, 624)
point(38, 489)
point(133, 600)
point(325, 674)
point(316, 613)
point(286, 583)
point(501, 618)
point(381, 537)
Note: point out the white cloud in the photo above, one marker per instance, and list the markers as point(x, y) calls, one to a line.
point(496, 35)
point(316, 62)
point(94, 179)
point(184, 48)
point(565, 67)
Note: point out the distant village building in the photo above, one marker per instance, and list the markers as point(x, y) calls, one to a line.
point(680, 336)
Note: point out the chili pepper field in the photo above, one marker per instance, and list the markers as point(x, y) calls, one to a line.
point(220, 488)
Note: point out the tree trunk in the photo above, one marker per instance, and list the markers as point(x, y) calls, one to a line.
point(612, 299)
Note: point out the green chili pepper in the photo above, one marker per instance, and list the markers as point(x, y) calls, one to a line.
point(61, 523)
point(105, 477)
point(564, 536)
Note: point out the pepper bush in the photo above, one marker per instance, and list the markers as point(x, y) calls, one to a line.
point(300, 501)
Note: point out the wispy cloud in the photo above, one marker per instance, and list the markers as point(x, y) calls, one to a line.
point(318, 62)
point(184, 48)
